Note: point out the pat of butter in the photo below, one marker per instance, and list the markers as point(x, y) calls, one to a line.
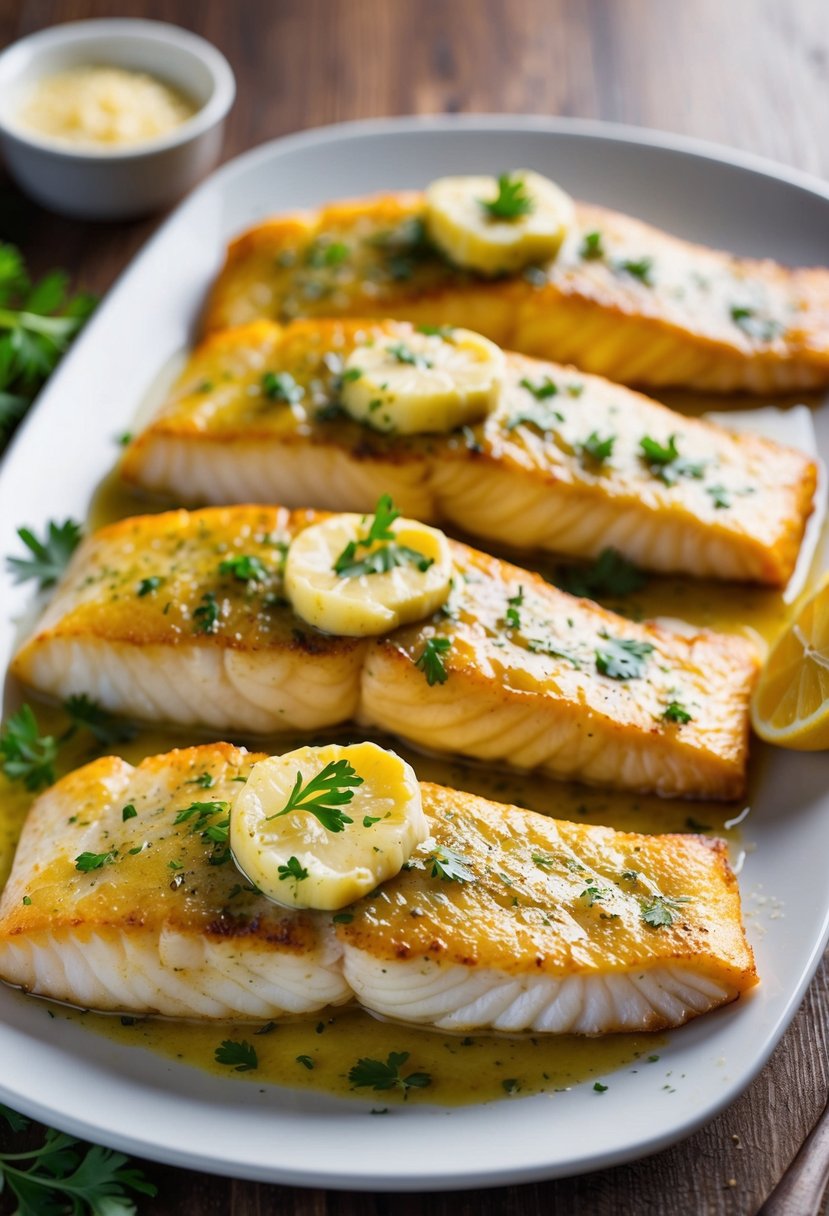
point(104, 107)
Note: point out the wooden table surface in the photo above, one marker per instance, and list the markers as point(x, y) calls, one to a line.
point(750, 73)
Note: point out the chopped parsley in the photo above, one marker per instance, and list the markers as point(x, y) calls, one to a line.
point(206, 780)
point(663, 910)
point(719, 497)
point(598, 449)
point(665, 462)
point(610, 574)
point(449, 865)
point(148, 585)
point(431, 661)
point(94, 861)
point(599, 1088)
point(641, 269)
point(305, 1061)
point(437, 331)
point(281, 386)
point(326, 253)
point(50, 556)
point(292, 869)
point(676, 712)
point(245, 568)
point(387, 556)
point(324, 795)
point(128, 812)
point(512, 616)
point(754, 324)
point(405, 354)
point(206, 616)
point(593, 894)
point(27, 755)
point(542, 389)
point(623, 658)
point(88, 714)
point(241, 1057)
point(512, 200)
point(374, 1074)
point(592, 247)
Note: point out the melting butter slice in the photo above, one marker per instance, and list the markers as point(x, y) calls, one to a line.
point(358, 575)
point(321, 827)
point(498, 225)
point(423, 381)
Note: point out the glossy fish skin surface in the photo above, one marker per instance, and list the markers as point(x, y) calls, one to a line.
point(732, 506)
point(633, 303)
point(166, 924)
point(547, 931)
point(563, 685)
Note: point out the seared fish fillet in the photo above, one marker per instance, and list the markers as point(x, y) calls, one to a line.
point(733, 506)
point(147, 624)
point(556, 929)
point(650, 309)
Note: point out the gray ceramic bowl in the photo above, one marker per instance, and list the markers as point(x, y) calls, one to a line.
point(129, 181)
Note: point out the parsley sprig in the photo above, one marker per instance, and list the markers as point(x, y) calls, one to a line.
point(27, 755)
point(512, 200)
point(609, 575)
point(665, 462)
point(324, 794)
point(49, 557)
point(388, 554)
point(431, 661)
point(240, 1056)
point(377, 1075)
point(663, 910)
point(88, 714)
point(37, 324)
point(449, 865)
point(65, 1176)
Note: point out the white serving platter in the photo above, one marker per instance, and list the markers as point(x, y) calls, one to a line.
point(133, 1100)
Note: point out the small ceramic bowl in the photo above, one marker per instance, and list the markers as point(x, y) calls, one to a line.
point(120, 182)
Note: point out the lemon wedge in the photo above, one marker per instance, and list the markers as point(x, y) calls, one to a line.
point(358, 575)
point(790, 706)
point(498, 225)
point(321, 826)
point(422, 381)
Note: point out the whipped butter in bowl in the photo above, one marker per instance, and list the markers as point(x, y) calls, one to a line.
point(114, 118)
point(98, 106)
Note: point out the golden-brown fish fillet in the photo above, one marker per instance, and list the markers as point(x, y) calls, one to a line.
point(147, 623)
point(731, 506)
point(651, 310)
point(118, 901)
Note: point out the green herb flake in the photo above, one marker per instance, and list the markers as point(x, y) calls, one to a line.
point(665, 462)
point(282, 387)
point(623, 658)
point(240, 1056)
point(597, 448)
point(27, 755)
point(244, 568)
point(610, 575)
point(50, 556)
point(449, 865)
point(128, 812)
point(599, 1088)
point(376, 1075)
point(324, 795)
point(512, 200)
point(674, 711)
point(720, 497)
point(389, 555)
point(148, 585)
point(343, 918)
point(663, 910)
point(592, 247)
point(638, 268)
point(305, 1061)
point(206, 616)
point(754, 324)
point(292, 869)
point(85, 862)
point(91, 716)
point(542, 389)
point(404, 354)
point(431, 661)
